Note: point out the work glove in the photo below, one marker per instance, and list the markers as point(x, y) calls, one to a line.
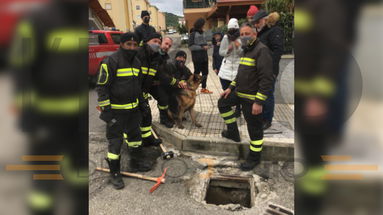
point(107, 116)
point(144, 108)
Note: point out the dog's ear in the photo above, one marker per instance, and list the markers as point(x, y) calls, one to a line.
point(196, 78)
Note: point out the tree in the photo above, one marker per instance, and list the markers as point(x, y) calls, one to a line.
point(182, 29)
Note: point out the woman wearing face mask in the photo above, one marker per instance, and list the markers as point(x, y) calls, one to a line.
point(231, 50)
point(144, 30)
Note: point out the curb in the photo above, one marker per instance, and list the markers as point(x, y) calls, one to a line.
point(273, 150)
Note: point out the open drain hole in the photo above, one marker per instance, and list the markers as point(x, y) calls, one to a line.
point(229, 191)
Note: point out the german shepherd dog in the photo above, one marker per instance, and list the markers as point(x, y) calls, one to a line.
point(184, 100)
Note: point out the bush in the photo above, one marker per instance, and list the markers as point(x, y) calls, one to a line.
point(182, 29)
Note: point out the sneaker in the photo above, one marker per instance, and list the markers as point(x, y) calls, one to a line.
point(206, 91)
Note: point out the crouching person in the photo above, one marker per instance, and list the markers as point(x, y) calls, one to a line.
point(119, 96)
point(250, 87)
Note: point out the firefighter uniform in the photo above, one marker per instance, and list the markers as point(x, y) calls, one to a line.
point(166, 83)
point(48, 58)
point(119, 96)
point(253, 82)
point(150, 62)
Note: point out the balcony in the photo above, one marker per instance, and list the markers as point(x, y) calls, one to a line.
point(188, 4)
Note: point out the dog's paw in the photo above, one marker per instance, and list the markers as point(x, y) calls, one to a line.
point(198, 125)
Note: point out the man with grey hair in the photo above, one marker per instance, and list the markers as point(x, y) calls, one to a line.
point(253, 83)
point(270, 34)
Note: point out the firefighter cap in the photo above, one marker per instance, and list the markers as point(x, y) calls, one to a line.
point(152, 36)
point(129, 36)
point(181, 54)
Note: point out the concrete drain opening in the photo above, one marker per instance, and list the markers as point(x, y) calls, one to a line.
point(230, 190)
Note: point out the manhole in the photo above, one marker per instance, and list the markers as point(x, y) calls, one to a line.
point(229, 190)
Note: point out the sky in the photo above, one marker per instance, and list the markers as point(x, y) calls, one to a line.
point(171, 6)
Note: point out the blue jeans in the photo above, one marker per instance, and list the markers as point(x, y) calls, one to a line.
point(268, 106)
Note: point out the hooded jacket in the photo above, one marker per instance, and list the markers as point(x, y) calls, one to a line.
point(231, 59)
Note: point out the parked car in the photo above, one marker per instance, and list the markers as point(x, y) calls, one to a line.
point(102, 44)
point(11, 12)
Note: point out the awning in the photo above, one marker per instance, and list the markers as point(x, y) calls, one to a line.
point(235, 8)
point(101, 13)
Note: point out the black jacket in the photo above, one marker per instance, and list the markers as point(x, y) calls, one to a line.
point(255, 77)
point(153, 68)
point(118, 84)
point(273, 38)
point(175, 74)
point(217, 58)
point(143, 31)
point(150, 63)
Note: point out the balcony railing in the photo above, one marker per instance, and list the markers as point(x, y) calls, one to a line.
point(198, 3)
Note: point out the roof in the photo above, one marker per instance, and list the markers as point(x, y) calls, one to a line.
point(234, 7)
point(101, 13)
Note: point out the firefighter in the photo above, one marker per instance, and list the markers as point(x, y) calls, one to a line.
point(120, 98)
point(164, 82)
point(144, 30)
point(172, 76)
point(48, 57)
point(178, 69)
point(150, 59)
point(253, 82)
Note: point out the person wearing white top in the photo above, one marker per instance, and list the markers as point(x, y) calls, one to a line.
point(231, 50)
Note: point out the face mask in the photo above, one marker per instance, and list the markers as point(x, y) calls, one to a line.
point(233, 34)
point(129, 53)
point(146, 20)
point(161, 52)
point(155, 47)
point(245, 40)
point(180, 63)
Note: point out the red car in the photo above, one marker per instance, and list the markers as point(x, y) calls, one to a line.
point(10, 13)
point(102, 44)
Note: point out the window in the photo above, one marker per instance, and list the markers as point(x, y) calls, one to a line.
point(93, 39)
point(116, 38)
point(102, 39)
point(138, 7)
point(108, 6)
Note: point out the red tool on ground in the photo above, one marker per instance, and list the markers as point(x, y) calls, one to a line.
point(159, 180)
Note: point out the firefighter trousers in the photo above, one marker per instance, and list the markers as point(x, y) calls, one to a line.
point(126, 127)
point(254, 122)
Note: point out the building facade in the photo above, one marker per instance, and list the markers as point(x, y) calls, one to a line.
point(126, 14)
point(161, 22)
